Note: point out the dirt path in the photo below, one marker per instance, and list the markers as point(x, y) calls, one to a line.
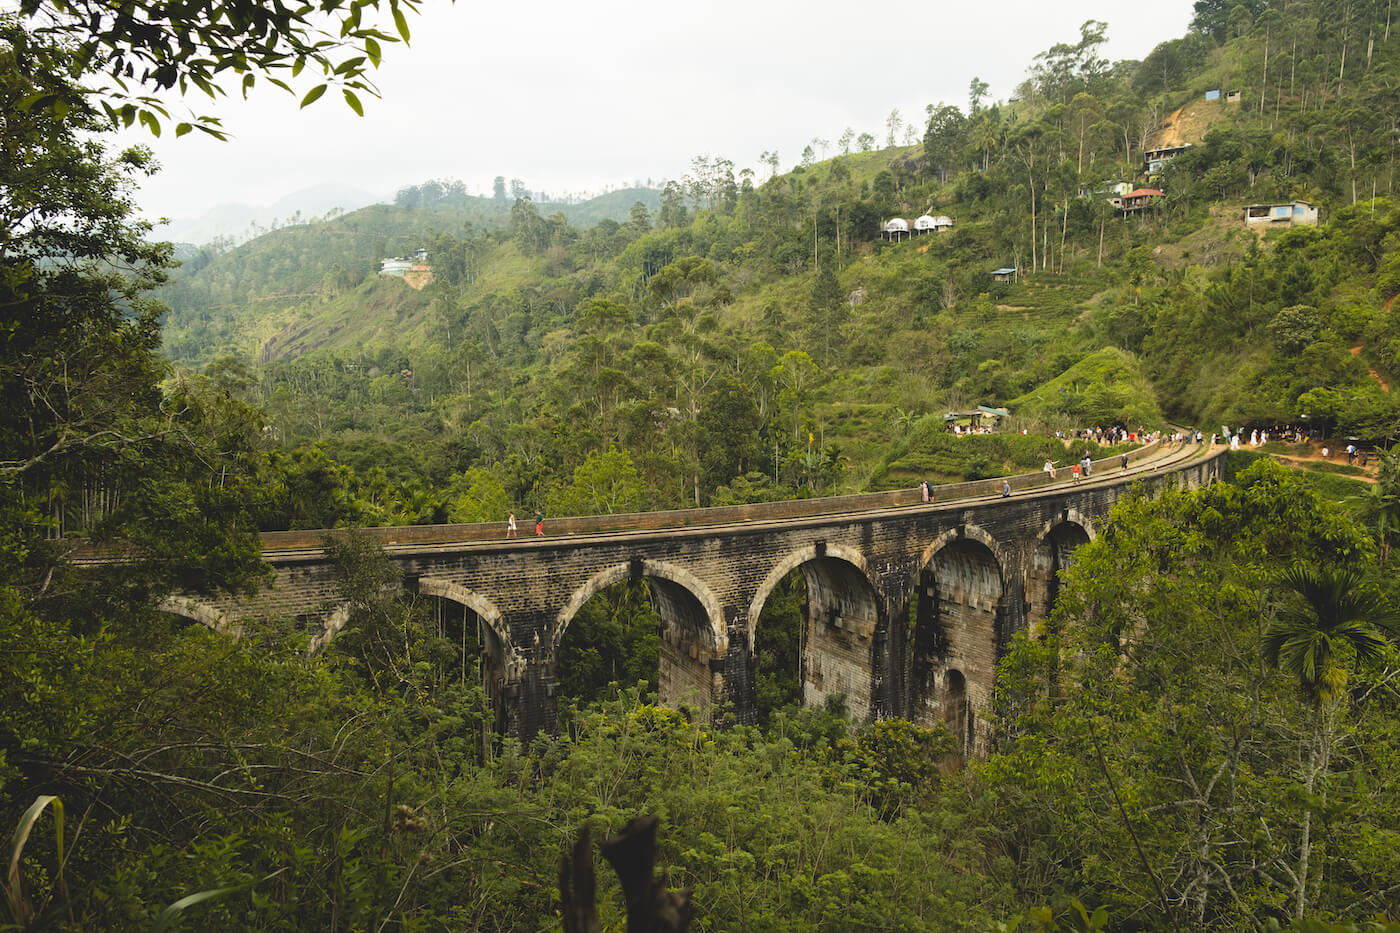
point(1356, 351)
point(1315, 456)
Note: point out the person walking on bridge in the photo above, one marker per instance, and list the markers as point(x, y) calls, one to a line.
point(510, 526)
point(539, 523)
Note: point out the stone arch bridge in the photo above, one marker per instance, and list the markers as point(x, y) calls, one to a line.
point(910, 604)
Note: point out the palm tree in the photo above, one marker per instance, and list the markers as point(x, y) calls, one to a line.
point(1324, 612)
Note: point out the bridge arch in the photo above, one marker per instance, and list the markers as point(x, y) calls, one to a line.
point(958, 618)
point(483, 607)
point(844, 622)
point(196, 611)
point(500, 662)
point(797, 559)
point(1055, 544)
point(693, 637)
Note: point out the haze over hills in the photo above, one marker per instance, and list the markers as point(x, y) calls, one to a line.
point(241, 222)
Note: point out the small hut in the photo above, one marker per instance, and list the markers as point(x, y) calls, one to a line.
point(896, 228)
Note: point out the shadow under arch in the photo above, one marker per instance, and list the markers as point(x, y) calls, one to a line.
point(1056, 543)
point(843, 629)
point(958, 621)
point(693, 637)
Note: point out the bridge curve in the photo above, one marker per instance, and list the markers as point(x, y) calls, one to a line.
point(909, 603)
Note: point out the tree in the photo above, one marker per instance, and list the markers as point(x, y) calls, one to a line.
point(1325, 615)
point(728, 426)
point(825, 311)
point(87, 434)
point(604, 484)
point(944, 138)
point(893, 123)
point(639, 219)
point(976, 91)
point(146, 47)
point(479, 497)
point(527, 228)
point(1181, 759)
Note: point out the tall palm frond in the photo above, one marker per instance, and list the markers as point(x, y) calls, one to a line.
point(1325, 610)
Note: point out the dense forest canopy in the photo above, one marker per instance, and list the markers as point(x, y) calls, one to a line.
point(1201, 736)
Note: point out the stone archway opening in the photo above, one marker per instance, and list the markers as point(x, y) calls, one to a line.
point(956, 617)
point(184, 613)
point(473, 649)
point(956, 712)
point(1053, 555)
point(170, 624)
point(644, 625)
point(779, 640)
point(470, 653)
point(612, 641)
point(814, 639)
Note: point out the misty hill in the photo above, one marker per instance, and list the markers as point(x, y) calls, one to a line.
point(242, 222)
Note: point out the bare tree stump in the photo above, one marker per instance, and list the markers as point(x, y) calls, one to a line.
point(651, 908)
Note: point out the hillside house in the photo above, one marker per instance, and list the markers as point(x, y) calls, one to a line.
point(1007, 274)
point(395, 266)
point(982, 420)
point(1136, 200)
point(927, 224)
point(896, 228)
point(1291, 214)
point(1156, 158)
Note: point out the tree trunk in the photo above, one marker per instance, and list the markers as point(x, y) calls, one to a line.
point(1314, 783)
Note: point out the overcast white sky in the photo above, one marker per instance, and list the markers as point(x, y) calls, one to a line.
point(576, 97)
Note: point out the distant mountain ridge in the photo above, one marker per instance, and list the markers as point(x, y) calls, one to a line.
point(243, 222)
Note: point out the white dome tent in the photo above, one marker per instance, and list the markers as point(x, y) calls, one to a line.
point(896, 228)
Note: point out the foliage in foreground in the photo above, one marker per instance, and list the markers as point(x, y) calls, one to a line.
point(1154, 761)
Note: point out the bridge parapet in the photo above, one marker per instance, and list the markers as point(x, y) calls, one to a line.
point(702, 517)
